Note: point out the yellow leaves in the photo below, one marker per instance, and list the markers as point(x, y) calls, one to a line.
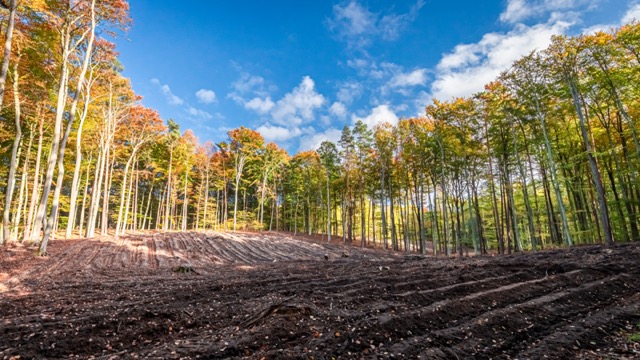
point(35, 5)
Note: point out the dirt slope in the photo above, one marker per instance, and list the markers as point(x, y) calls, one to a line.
point(272, 296)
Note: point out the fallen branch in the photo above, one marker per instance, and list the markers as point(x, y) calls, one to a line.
point(268, 311)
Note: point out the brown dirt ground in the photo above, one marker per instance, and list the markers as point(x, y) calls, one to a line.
point(273, 296)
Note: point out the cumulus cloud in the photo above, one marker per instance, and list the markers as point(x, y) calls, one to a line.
point(338, 109)
point(413, 78)
point(469, 67)
point(278, 133)
point(259, 105)
point(285, 118)
point(632, 14)
point(355, 24)
point(298, 105)
point(312, 141)
point(379, 114)
point(206, 96)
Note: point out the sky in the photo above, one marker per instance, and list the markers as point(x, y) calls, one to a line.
point(299, 71)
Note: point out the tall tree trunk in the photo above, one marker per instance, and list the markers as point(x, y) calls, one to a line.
point(525, 193)
point(185, 203)
point(147, 209)
point(206, 198)
point(123, 190)
point(383, 214)
point(96, 188)
point(36, 180)
point(595, 173)
point(84, 196)
point(167, 214)
point(6, 231)
point(263, 189)
point(552, 165)
point(75, 183)
point(63, 144)
point(239, 168)
point(328, 209)
point(6, 57)
point(24, 187)
point(57, 128)
point(127, 205)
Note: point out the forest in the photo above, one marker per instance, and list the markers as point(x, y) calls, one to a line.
point(546, 156)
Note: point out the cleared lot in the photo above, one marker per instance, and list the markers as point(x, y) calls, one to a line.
point(274, 296)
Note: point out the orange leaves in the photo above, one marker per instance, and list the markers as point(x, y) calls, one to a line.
point(245, 140)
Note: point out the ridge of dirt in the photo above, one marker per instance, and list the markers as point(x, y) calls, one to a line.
point(273, 296)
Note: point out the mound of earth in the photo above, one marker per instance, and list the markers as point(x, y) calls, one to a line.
point(273, 296)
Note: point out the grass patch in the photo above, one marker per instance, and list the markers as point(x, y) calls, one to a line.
point(635, 337)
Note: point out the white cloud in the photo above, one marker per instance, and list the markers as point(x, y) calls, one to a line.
point(379, 114)
point(259, 105)
point(520, 10)
point(349, 91)
point(298, 105)
point(248, 83)
point(171, 98)
point(338, 109)
point(198, 113)
point(278, 133)
point(516, 11)
point(391, 25)
point(284, 118)
point(632, 14)
point(358, 63)
point(471, 66)
point(413, 78)
point(166, 91)
point(313, 141)
point(355, 24)
point(206, 96)
point(353, 19)
point(249, 86)
point(421, 101)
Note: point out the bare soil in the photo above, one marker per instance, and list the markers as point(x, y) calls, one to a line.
point(272, 296)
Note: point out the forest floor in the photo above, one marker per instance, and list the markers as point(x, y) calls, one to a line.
point(273, 296)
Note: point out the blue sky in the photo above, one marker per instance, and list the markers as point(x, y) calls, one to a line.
point(299, 71)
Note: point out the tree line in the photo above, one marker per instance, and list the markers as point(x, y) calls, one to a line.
point(547, 155)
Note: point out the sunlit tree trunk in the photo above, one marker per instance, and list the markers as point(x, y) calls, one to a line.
point(75, 183)
point(74, 105)
point(24, 187)
point(167, 214)
point(106, 192)
point(84, 196)
point(6, 57)
point(206, 198)
point(53, 152)
point(26, 235)
point(185, 202)
point(240, 160)
point(123, 190)
point(6, 226)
